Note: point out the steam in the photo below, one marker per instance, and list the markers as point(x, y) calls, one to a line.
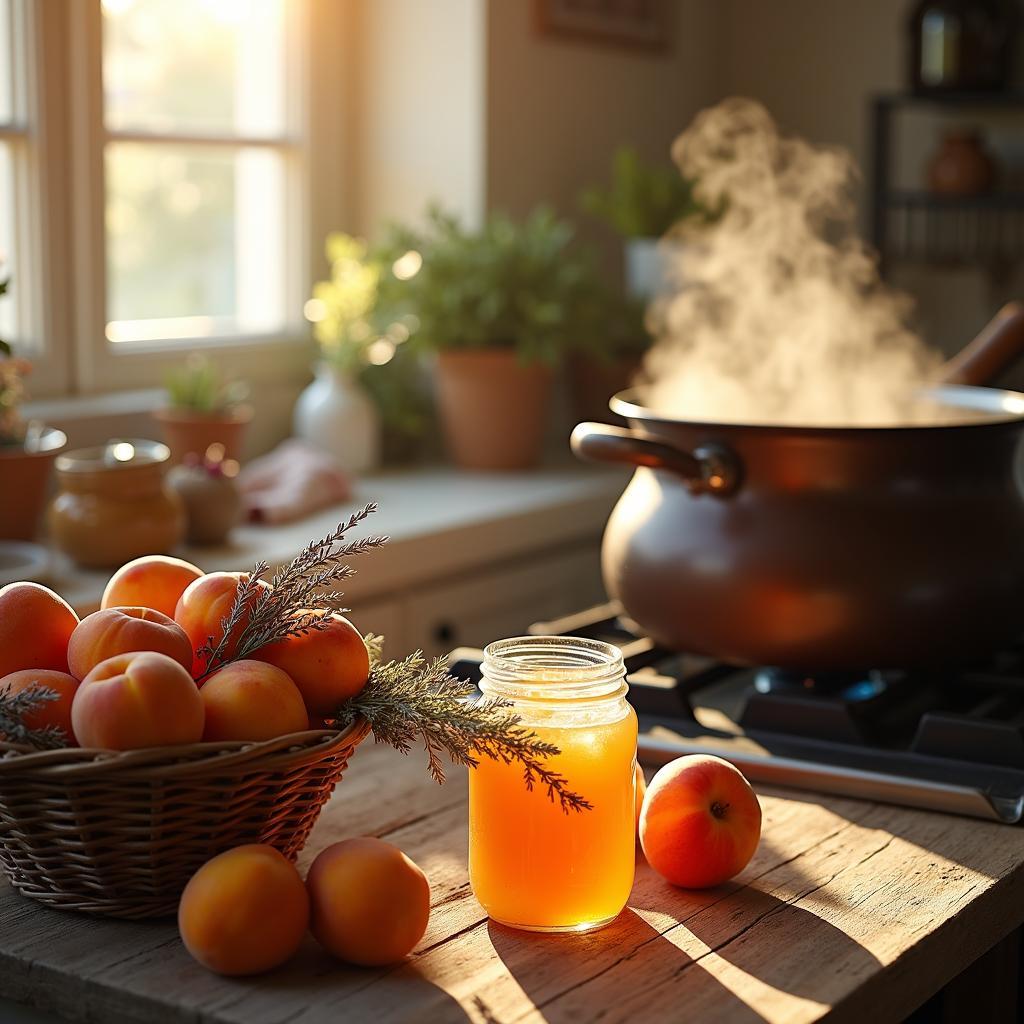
point(780, 315)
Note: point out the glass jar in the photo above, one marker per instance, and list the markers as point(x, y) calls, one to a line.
point(533, 864)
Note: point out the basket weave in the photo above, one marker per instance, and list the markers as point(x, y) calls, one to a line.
point(121, 833)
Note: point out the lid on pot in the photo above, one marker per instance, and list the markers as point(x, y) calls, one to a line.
point(118, 453)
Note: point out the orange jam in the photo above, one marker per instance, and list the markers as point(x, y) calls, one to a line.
point(532, 863)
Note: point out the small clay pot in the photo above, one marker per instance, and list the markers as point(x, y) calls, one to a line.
point(24, 476)
point(212, 502)
point(113, 504)
point(493, 408)
point(191, 433)
point(961, 166)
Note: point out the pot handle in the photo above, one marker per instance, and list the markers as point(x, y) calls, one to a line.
point(709, 469)
point(999, 344)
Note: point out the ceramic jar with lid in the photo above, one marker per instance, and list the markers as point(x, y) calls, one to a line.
point(113, 504)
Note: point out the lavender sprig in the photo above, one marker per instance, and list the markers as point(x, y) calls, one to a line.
point(13, 709)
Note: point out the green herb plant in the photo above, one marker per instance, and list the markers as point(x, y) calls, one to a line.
point(199, 387)
point(518, 285)
point(644, 200)
point(13, 371)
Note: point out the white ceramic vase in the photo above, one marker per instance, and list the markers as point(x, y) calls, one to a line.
point(337, 415)
point(653, 267)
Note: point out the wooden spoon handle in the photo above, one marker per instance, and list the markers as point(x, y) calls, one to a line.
point(998, 346)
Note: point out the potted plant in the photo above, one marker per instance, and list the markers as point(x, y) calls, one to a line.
point(499, 307)
point(27, 450)
point(642, 203)
point(203, 410)
point(368, 398)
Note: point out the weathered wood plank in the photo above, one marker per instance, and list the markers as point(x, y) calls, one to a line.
point(847, 907)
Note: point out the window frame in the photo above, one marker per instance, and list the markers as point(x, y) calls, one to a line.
point(69, 138)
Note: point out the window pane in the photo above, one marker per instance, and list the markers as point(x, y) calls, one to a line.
point(197, 66)
point(8, 263)
point(6, 64)
point(195, 236)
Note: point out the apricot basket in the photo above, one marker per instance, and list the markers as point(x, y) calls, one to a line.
point(121, 833)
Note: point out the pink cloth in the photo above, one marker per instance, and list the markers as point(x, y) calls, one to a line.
point(290, 482)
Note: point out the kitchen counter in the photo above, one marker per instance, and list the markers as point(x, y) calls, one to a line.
point(849, 911)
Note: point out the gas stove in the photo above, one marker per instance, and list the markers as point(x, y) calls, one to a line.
point(949, 741)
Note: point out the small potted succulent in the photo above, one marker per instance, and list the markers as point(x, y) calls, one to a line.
point(500, 307)
point(368, 399)
point(203, 410)
point(27, 450)
point(642, 204)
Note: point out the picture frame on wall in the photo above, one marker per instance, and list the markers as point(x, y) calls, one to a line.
point(633, 24)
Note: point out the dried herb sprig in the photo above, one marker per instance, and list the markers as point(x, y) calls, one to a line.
point(419, 699)
point(300, 598)
point(13, 709)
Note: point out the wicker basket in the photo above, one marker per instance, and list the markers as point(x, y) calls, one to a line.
point(121, 833)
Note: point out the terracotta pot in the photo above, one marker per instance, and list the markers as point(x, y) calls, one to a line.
point(26, 475)
point(593, 382)
point(493, 408)
point(114, 504)
point(188, 432)
point(961, 167)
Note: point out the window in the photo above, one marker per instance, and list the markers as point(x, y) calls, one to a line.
point(158, 188)
point(13, 130)
point(196, 153)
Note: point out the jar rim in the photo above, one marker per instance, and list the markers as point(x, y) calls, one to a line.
point(552, 668)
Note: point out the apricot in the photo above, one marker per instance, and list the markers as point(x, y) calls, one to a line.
point(700, 822)
point(35, 627)
point(113, 631)
point(245, 911)
point(251, 700)
point(137, 700)
point(153, 581)
point(369, 902)
point(327, 665)
point(55, 713)
point(202, 609)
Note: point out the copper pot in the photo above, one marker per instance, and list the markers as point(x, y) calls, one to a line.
point(822, 547)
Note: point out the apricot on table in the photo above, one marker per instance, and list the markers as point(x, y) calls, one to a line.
point(251, 700)
point(55, 713)
point(701, 821)
point(369, 902)
point(153, 581)
point(328, 665)
point(245, 911)
point(203, 607)
point(35, 627)
point(113, 631)
point(137, 700)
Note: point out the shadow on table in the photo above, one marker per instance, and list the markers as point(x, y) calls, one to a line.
point(626, 971)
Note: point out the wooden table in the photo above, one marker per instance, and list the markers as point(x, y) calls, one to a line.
point(850, 911)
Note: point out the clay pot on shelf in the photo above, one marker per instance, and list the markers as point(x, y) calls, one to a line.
point(961, 166)
point(189, 432)
point(114, 505)
point(25, 473)
point(213, 504)
point(493, 408)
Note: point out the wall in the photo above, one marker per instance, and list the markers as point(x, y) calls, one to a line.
point(415, 106)
point(557, 109)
